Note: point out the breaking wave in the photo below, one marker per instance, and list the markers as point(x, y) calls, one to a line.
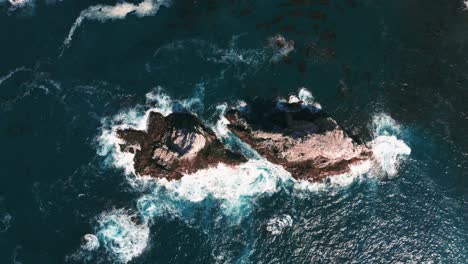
point(123, 238)
point(232, 188)
point(278, 224)
point(304, 96)
point(387, 148)
point(104, 13)
point(5, 222)
point(90, 242)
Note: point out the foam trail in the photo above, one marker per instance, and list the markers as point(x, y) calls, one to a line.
point(121, 236)
point(104, 13)
point(334, 182)
point(10, 74)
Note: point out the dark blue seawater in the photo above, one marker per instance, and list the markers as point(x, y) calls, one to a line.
point(71, 71)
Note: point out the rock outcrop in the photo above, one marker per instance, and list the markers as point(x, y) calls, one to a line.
point(296, 135)
point(175, 145)
point(300, 137)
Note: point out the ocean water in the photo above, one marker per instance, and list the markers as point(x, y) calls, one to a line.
point(392, 73)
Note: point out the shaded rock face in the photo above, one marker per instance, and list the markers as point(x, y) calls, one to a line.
point(175, 145)
point(300, 137)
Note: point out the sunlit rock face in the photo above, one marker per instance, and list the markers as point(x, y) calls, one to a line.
point(300, 137)
point(175, 145)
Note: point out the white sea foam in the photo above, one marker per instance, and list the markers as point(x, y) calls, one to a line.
point(278, 224)
point(22, 7)
point(90, 242)
point(387, 148)
point(304, 96)
point(228, 138)
point(11, 73)
point(5, 222)
point(121, 236)
point(233, 186)
point(20, 3)
point(104, 13)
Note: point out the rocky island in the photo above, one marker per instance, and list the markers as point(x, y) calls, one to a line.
point(294, 134)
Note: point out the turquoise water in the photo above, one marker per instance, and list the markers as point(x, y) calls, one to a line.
point(381, 68)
